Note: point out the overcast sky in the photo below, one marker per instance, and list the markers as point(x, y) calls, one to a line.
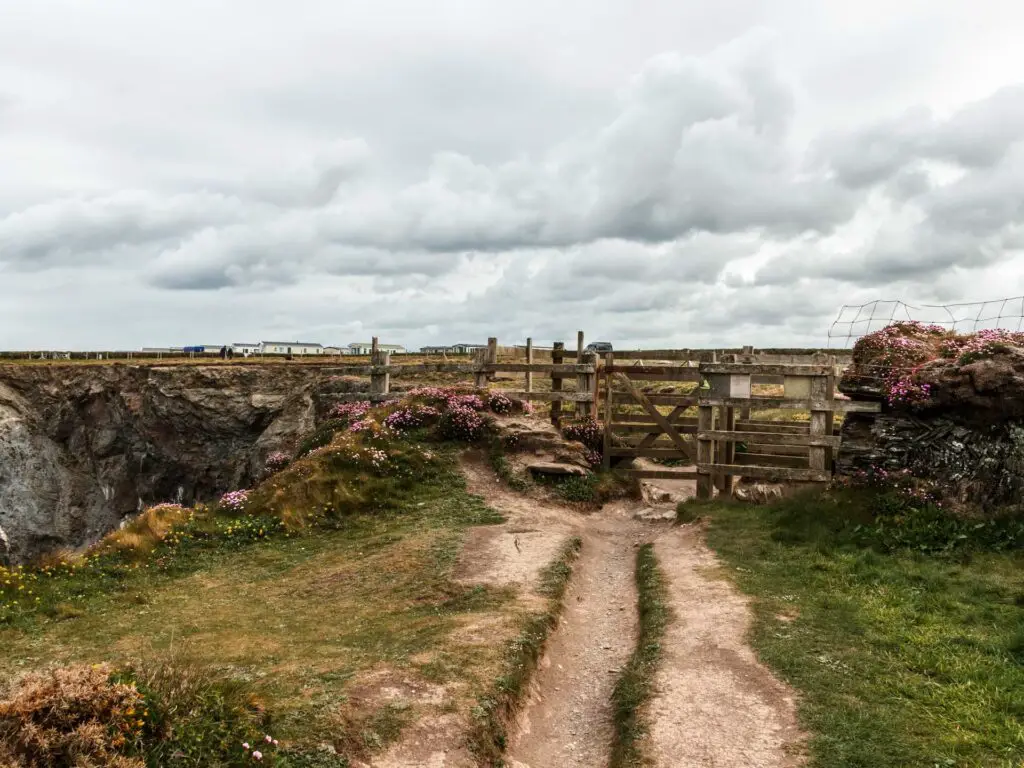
point(655, 172)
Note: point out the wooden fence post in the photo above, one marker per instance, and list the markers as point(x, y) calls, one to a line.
point(480, 360)
point(529, 361)
point(729, 452)
point(705, 420)
point(748, 353)
point(582, 382)
point(819, 421)
point(492, 355)
point(585, 383)
point(557, 357)
point(380, 383)
point(609, 412)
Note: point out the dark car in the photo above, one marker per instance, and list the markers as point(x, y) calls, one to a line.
point(599, 347)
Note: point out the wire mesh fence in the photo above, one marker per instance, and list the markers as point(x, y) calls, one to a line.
point(893, 376)
point(856, 320)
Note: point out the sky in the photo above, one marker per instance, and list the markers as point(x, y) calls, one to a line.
point(656, 173)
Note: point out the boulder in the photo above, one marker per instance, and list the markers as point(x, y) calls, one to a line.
point(555, 469)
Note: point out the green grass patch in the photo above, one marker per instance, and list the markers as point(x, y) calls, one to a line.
point(494, 710)
point(906, 651)
point(283, 618)
point(633, 687)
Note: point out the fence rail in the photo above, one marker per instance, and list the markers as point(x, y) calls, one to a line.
point(808, 452)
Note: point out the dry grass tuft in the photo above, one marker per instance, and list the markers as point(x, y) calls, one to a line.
point(143, 533)
point(74, 716)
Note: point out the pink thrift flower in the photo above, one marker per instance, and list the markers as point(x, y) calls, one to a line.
point(257, 755)
point(245, 745)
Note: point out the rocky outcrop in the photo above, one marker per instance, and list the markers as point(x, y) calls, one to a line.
point(82, 447)
point(952, 412)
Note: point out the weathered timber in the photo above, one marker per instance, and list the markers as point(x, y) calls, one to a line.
point(557, 356)
point(620, 398)
point(772, 460)
point(778, 450)
point(765, 369)
point(660, 420)
point(819, 424)
point(659, 372)
point(771, 438)
point(767, 473)
point(529, 363)
point(705, 423)
point(781, 403)
point(551, 397)
point(650, 453)
point(609, 413)
point(661, 474)
point(792, 427)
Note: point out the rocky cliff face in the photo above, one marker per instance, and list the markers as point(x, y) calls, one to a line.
point(82, 447)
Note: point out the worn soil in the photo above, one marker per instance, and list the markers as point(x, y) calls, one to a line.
point(714, 704)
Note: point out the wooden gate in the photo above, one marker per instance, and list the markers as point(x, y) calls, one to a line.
point(636, 428)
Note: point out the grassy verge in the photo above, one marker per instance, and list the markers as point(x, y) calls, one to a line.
point(901, 657)
point(634, 685)
point(291, 621)
point(489, 737)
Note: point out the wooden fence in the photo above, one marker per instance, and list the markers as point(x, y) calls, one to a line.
point(484, 366)
point(727, 386)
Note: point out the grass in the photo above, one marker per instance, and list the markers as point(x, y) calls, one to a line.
point(901, 658)
point(298, 618)
point(633, 687)
point(495, 710)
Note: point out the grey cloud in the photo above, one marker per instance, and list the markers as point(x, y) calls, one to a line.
point(978, 135)
point(66, 230)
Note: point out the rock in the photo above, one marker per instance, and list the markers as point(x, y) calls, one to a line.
point(655, 514)
point(543, 441)
point(758, 493)
point(555, 469)
point(83, 447)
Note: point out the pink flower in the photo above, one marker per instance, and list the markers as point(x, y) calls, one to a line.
point(269, 739)
point(257, 755)
point(275, 742)
point(245, 745)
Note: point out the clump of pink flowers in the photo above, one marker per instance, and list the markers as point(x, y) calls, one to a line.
point(269, 742)
point(235, 500)
point(896, 354)
point(462, 422)
point(276, 461)
point(350, 412)
point(980, 345)
point(410, 417)
point(499, 403)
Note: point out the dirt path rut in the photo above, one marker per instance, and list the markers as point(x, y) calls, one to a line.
point(716, 705)
point(568, 720)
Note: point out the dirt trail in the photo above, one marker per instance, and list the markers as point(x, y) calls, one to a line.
point(567, 722)
point(714, 704)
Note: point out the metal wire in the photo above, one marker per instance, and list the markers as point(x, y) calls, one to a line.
point(856, 320)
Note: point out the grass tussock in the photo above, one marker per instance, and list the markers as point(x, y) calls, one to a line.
point(901, 628)
point(495, 710)
point(633, 687)
point(75, 716)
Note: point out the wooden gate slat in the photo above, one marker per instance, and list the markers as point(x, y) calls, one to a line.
point(655, 414)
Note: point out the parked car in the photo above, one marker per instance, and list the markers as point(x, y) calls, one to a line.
point(599, 346)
